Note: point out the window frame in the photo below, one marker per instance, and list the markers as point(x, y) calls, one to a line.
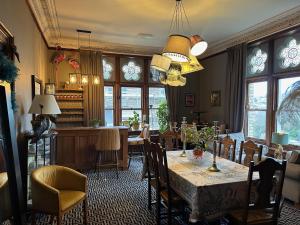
point(272, 78)
point(114, 102)
point(118, 84)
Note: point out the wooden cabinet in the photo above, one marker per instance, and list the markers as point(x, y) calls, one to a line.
point(76, 147)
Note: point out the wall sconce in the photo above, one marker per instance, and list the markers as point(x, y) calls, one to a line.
point(96, 80)
point(73, 78)
point(84, 79)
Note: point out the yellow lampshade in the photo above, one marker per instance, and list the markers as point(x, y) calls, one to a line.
point(198, 45)
point(177, 48)
point(192, 66)
point(161, 63)
point(173, 76)
point(96, 80)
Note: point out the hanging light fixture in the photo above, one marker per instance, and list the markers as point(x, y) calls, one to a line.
point(177, 48)
point(160, 63)
point(181, 51)
point(198, 45)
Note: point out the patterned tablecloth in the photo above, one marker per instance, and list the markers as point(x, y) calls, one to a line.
point(209, 194)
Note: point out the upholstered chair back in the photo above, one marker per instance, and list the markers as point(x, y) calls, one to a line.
point(109, 141)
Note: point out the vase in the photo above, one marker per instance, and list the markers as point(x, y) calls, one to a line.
point(135, 126)
point(198, 153)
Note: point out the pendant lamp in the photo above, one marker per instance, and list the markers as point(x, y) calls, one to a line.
point(177, 48)
point(198, 45)
point(160, 63)
point(192, 66)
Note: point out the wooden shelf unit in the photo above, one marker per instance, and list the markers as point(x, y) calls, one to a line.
point(72, 106)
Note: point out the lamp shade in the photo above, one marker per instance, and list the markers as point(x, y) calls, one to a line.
point(198, 45)
point(177, 48)
point(44, 104)
point(161, 63)
point(280, 138)
point(192, 66)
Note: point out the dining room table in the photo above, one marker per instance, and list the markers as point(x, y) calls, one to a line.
point(208, 194)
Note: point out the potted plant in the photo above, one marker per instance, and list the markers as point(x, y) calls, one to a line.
point(163, 116)
point(134, 121)
point(95, 123)
point(200, 140)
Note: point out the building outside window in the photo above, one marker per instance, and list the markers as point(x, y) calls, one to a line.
point(156, 96)
point(257, 109)
point(109, 105)
point(131, 100)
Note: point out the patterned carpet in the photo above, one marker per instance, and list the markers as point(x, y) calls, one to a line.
point(124, 201)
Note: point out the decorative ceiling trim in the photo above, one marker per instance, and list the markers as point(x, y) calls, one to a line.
point(45, 13)
point(288, 19)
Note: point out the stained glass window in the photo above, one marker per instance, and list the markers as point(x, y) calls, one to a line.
point(107, 70)
point(108, 65)
point(131, 69)
point(132, 72)
point(290, 55)
point(257, 61)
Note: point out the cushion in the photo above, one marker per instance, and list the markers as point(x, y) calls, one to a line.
point(293, 171)
point(135, 141)
point(68, 199)
point(295, 157)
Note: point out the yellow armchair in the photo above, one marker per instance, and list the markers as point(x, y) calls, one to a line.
point(56, 190)
point(5, 207)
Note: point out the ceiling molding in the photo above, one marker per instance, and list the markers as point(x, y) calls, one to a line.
point(288, 19)
point(45, 13)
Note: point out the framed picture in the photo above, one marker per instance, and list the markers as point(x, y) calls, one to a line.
point(36, 86)
point(50, 89)
point(215, 98)
point(189, 100)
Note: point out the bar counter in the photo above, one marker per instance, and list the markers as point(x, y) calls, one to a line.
point(76, 147)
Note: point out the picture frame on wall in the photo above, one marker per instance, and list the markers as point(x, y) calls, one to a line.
point(36, 86)
point(189, 100)
point(215, 98)
point(50, 88)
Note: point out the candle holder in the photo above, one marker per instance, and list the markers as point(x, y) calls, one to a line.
point(214, 167)
point(183, 136)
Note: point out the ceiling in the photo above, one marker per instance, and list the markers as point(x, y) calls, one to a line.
point(141, 26)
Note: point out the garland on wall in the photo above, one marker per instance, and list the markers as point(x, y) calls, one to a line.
point(9, 73)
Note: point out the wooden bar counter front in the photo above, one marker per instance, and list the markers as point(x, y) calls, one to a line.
point(76, 147)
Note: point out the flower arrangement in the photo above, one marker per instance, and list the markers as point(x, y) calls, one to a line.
point(95, 123)
point(200, 139)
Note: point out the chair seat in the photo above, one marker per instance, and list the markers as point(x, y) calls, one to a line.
point(135, 141)
point(70, 198)
point(257, 216)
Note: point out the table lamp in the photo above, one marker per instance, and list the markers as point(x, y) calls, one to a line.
point(46, 106)
point(279, 139)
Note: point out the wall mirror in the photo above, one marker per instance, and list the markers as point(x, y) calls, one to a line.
point(10, 174)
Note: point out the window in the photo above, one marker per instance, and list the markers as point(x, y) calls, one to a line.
point(131, 100)
point(156, 96)
point(107, 70)
point(257, 60)
point(257, 109)
point(285, 122)
point(131, 69)
point(109, 105)
point(290, 54)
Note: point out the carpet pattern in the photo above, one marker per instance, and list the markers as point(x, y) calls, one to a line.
point(124, 201)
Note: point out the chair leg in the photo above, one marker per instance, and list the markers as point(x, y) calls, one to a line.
point(59, 219)
point(129, 156)
point(33, 218)
point(158, 206)
point(85, 206)
point(169, 212)
point(117, 159)
point(149, 194)
point(142, 152)
point(97, 161)
point(51, 219)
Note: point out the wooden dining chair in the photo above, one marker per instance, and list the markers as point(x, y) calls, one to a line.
point(164, 194)
point(250, 149)
point(265, 208)
point(227, 148)
point(150, 173)
point(170, 140)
